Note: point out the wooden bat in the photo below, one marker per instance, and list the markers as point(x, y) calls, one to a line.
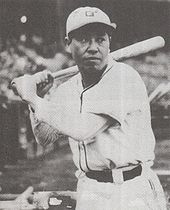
point(133, 50)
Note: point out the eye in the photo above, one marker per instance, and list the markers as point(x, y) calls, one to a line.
point(82, 39)
point(100, 40)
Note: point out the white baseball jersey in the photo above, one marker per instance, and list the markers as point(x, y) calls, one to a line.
point(120, 96)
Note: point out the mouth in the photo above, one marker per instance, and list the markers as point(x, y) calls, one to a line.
point(92, 59)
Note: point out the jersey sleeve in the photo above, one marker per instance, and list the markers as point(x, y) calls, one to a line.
point(43, 132)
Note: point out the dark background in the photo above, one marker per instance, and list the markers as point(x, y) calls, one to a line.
point(136, 19)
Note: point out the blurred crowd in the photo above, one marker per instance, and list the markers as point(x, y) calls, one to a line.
point(23, 56)
point(19, 57)
point(155, 71)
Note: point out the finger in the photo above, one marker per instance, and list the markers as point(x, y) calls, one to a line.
point(46, 73)
point(46, 88)
point(42, 76)
point(14, 87)
point(48, 76)
point(39, 77)
point(15, 83)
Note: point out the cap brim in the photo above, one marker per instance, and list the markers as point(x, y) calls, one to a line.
point(111, 27)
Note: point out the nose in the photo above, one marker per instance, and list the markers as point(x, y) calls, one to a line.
point(93, 46)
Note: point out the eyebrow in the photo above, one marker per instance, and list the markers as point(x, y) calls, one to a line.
point(85, 33)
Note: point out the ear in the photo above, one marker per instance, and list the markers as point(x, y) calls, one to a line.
point(67, 43)
point(67, 40)
point(110, 38)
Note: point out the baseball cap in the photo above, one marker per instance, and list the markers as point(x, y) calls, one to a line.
point(87, 15)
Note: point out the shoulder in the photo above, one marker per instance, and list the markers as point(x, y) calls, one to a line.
point(124, 70)
point(122, 78)
point(123, 73)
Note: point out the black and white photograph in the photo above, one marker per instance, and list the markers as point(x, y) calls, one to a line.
point(85, 104)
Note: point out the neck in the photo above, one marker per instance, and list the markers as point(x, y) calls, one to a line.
point(90, 77)
point(89, 80)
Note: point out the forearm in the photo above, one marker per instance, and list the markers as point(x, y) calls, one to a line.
point(44, 133)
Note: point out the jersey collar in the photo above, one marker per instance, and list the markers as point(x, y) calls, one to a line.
point(78, 78)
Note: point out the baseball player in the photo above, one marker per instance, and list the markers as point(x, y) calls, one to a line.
point(104, 110)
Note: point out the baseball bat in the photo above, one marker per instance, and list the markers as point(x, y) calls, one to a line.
point(133, 50)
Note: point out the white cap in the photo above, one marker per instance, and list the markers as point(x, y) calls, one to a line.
point(86, 15)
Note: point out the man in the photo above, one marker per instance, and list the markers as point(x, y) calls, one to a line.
point(105, 112)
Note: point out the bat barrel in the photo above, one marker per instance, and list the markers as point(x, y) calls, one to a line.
point(139, 48)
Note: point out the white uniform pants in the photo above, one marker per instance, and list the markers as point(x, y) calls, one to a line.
point(141, 193)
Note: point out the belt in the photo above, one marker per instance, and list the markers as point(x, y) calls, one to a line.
point(108, 175)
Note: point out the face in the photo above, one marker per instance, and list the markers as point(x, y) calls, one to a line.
point(90, 48)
